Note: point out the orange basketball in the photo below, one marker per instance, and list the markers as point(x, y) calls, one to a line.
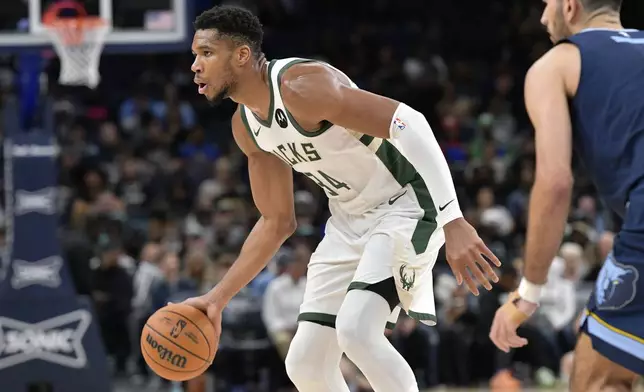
point(178, 342)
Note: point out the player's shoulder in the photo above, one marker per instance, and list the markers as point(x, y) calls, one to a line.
point(310, 88)
point(307, 80)
point(562, 62)
point(560, 57)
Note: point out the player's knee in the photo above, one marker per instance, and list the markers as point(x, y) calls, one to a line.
point(305, 356)
point(298, 363)
point(351, 336)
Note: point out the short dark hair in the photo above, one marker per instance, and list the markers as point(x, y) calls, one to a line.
point(594, 5)
point(236, 23)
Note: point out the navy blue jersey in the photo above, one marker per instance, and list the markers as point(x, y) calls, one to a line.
point(608, 133)
point(608, 111)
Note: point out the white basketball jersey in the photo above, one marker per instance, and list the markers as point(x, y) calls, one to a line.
point(356, 171)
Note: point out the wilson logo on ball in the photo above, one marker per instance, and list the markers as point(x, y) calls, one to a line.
point(165, 354)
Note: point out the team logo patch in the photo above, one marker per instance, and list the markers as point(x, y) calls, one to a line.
point(616, 285)
point(400, 124)
point(407, 277)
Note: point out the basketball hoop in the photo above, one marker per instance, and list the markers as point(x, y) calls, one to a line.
point(78, 42)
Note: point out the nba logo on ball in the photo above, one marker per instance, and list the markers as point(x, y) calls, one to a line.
point(176, 330)
point(400, 124)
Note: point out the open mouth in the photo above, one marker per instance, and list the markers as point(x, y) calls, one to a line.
point(202, 87)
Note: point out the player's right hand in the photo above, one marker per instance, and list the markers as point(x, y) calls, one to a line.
point(210, 309)
point(465, 250)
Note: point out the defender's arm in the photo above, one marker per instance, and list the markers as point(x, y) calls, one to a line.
point(272, 187)
point(315, 92)
point(547, 88)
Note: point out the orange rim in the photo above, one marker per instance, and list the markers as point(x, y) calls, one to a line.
point(70, 29)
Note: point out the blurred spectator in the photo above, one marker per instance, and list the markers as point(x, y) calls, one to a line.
point(112, 294)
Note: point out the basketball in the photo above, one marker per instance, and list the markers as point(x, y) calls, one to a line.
point(178, 342)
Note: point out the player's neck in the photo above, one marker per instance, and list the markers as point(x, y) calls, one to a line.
point(252, 91)
point(602, 20)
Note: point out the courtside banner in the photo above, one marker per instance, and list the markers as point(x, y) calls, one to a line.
point(49, 338)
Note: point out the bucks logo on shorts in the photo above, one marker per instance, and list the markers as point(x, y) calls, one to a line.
point(407, 278)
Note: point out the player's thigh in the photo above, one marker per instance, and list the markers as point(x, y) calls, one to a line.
point(393, 263)
point(592, 372)
point(330, 271)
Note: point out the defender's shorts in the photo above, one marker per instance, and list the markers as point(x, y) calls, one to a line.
point(614, 317)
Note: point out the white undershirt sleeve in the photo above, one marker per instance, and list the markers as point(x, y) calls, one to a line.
point(411, 134)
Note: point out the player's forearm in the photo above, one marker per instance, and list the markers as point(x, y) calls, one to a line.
point(549, 204)
point(412, 134)
point(262, 244)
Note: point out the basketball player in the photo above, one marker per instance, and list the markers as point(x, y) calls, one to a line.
point(588, 92)
point(391, 195)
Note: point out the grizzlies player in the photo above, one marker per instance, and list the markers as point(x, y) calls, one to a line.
point(588, 92)
point(390, 192)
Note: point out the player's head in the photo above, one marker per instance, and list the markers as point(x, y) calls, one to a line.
point(226, 43)
point(563, 18)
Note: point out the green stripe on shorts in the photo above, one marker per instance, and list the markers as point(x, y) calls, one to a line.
point(328, 320)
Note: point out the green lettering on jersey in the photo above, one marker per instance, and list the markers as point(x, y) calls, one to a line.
point(335, 183)
point(304, 152)
point(283, 151)
point(328, 183)
point(310, 152)
point(295, 153)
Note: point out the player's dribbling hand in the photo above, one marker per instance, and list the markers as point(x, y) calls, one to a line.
point(465, 250)
point(210, 309)
point(506, 321)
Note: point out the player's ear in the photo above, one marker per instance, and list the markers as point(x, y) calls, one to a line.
point(572, 9)
point(243, 55)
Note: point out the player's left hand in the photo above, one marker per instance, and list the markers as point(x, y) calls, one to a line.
point(465, 250)
point(506, 321)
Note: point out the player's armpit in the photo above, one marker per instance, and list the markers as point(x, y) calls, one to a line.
point(272, 188)
point(546, 98)
point(314, 93)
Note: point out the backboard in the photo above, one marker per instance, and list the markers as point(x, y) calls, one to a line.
point(136, 25)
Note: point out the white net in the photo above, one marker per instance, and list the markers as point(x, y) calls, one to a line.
point(78, 44)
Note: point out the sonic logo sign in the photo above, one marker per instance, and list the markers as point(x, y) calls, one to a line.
point(58, 340)
point(42, 201)
point(45, 272)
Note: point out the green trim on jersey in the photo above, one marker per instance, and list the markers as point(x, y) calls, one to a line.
point(405, 173)
point(325, 125)
point(271, 106)
point(247, 126)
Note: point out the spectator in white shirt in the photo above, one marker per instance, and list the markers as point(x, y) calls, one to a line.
point(284, 296)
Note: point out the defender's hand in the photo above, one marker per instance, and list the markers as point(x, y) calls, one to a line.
point(506, 321)
point(464, 250)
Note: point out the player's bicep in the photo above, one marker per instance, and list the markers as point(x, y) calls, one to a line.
point(271, 182)
point(547, 105)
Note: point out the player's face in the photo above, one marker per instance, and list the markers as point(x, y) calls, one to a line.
point(214, 74)
point(554, 20)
